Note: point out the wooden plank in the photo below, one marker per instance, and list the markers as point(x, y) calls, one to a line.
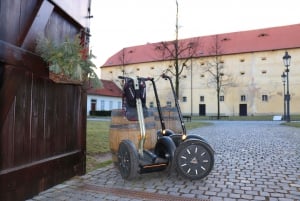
point(13, 55)
point(25, 181)
point(14, 19)
point(78, 14)
point(82, 126)
point(22, 118)
point(38, 140)
point(13, 78)
point(7, 140)
point(38, 25)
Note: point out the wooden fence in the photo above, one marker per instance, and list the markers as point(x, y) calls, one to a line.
point(42, 124)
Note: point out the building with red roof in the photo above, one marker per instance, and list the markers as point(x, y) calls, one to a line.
point(105, 98)
point(250, 63)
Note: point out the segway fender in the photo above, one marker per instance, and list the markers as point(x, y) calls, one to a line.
point(197, 137)
point(167, 132)
point(165, 148)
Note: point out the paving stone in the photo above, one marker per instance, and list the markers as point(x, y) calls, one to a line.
point(234, 195)
point(229, 199)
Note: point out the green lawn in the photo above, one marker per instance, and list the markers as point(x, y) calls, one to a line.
point(293, 124)
point(97, 143)
point(248, 118)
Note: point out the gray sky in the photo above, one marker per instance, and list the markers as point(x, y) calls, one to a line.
point(123, 23)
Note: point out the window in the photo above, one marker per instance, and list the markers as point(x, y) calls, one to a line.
point(151, 105)
point(184, 99)
point(119, 104)
point(201, 98)
point(169, 104)
point(243, 98)
point(221, 98)
point(102, 105)
point(111, 104)
point(264, 98)
point(263, 71)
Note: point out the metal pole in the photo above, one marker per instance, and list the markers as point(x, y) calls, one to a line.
point(284, 102)
point(191, 87)
point(288, 119)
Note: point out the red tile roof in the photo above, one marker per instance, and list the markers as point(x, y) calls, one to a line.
point(109, 88)
point(268, 39)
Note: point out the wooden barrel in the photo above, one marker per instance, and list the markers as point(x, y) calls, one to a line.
point(171, 118)
point(121, 128)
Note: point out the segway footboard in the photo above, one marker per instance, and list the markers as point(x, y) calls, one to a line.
point(194, 159)
point(162, 157)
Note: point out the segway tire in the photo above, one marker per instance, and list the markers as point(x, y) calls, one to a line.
point(194, 159)
point(128, 162)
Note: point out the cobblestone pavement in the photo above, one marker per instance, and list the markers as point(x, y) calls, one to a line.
point(253, 161)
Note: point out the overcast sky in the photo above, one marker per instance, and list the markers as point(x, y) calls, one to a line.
point(117, 24)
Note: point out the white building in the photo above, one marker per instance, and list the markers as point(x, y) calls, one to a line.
point(106, 98)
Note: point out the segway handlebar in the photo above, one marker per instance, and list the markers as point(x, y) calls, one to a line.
point(139, 78)
point(165, 76)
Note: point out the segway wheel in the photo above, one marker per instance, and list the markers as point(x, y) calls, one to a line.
point(128, 160)
point(194, 159)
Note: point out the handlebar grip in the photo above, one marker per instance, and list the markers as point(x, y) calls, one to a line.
point(144, 78)
point(139, 78)
point(165, 76)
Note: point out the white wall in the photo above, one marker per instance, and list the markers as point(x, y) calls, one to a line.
point(104, 103)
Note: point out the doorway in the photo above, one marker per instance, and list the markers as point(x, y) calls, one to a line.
point(202, 109)
point(93, 105)
point(243, 109)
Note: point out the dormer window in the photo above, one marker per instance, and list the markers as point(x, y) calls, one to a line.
point(263, 35)
point(225, 39)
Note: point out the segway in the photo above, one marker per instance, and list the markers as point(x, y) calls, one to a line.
point(133, 161)
point(192, 154)
point(194, 157)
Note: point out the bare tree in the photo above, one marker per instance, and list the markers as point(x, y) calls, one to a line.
point(124, 58)
point(215, 67)
point(179, 52)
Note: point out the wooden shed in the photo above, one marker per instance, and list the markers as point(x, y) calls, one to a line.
point(42, 124)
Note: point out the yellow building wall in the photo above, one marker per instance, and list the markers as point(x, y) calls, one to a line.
point(250, 74)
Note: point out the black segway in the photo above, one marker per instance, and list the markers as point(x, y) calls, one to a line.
point(133, 161)
point(194, 157)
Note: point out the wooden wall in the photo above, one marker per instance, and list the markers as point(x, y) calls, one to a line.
point(42, 124)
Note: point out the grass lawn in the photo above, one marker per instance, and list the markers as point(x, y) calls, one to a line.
point(98, 141)
point(293, 124)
